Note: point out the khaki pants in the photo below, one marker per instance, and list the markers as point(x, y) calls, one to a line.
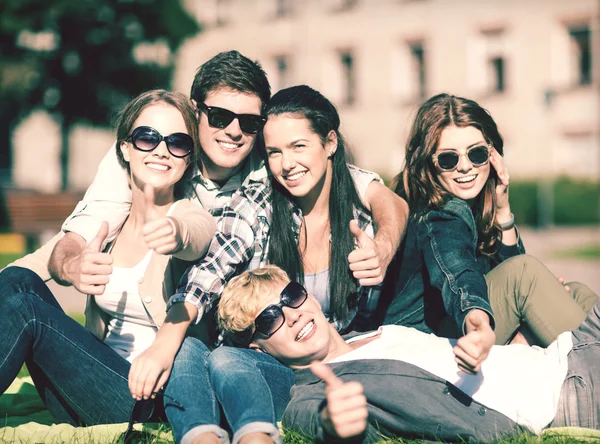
point(525, 295)
point(523, 292)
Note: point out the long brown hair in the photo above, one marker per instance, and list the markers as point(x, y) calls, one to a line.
point(418, 182)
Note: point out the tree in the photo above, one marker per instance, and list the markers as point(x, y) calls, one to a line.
point(75, 58)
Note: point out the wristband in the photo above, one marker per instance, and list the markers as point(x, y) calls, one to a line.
point(508, 225)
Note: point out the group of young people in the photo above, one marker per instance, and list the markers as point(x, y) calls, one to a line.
point(226, 244)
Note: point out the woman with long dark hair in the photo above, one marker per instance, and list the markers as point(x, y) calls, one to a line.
point(462, 268)
point(312, 218)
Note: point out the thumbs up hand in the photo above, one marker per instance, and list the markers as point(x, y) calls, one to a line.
point(161, 233)
point(366, 260)
point(345, 414)
point(90, 270)
point(473, 348)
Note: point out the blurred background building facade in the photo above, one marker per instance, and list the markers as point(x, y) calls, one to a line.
point(531, 63)
point(534, 64)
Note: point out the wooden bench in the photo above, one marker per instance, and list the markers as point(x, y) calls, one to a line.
point(32, 213)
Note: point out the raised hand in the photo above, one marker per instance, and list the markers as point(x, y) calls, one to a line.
point(346, 413)
point(366, 260)
point(473, 348)
point(160, 233)
point(497, 161)
point(89, 271)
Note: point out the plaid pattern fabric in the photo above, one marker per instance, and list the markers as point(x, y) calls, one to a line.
point(242, 243)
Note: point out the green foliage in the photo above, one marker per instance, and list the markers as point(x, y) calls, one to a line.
point(75, 58)
point(576, 202)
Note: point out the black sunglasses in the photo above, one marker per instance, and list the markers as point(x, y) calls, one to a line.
point(221, 118)
point(145, 138)
point(143, 411)
point(448, 160)
point(272, 318)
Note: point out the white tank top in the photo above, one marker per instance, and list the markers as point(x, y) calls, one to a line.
point(131, 329)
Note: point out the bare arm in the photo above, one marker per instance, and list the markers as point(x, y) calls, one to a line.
point(151, 369)
point(74, 262)
point(390, 214)
point(369, 261)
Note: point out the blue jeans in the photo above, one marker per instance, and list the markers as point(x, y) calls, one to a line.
point(579, 403)
point(253, 389)
point(81, 380)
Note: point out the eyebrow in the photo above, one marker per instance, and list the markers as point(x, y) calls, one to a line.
point(470, 146)
point(292, 143)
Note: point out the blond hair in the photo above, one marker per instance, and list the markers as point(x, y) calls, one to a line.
point(244, 297)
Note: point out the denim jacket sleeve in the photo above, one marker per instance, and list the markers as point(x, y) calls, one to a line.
point(507, 251)
point(448, 240)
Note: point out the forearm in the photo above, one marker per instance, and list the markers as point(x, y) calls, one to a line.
point(509, 236)
point(171, 334)
point(196, 228)
point(390, 214)
point(62, 257)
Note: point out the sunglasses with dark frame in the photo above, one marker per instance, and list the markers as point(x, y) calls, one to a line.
point(448, 160)
point(142, 411)
point(222, 118)
point(146, 138)
point(272, 318)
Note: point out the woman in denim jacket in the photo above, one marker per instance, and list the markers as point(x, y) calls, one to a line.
point(462, 263)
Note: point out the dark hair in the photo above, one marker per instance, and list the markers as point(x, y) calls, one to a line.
point(418, 182)
point(304, 102)
point(230, 70)
point(125, 119)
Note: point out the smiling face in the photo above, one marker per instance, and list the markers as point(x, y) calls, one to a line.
point(467, 180)
point(225, 149)
point(305, 336)
point(157, 167)
point(298, 159)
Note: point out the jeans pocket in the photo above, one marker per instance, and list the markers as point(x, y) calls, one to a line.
point(575, 407)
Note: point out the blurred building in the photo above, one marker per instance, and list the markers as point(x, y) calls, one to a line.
point(534, 64)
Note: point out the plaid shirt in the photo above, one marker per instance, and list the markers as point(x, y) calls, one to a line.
point(242, 243)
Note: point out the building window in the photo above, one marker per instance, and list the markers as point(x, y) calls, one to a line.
point(348, 78)
point(341, 5)
point(409, 72)
point(487, 62)
point(497, 74)
point(283, 8)
point(582, 53)
point(417, 53)
point(278, 71)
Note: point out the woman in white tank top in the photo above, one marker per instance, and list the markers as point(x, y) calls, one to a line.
point(86, 381)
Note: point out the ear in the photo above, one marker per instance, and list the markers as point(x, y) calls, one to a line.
point(124, 147)
point(331, 143)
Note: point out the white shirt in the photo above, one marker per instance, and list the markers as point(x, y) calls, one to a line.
point(131, 329)
point(521, 382)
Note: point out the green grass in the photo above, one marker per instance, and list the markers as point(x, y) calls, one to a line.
point(7, 258)
point(590, 252)
point(291, 437)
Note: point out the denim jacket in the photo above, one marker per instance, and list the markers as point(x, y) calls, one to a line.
point(439, 271)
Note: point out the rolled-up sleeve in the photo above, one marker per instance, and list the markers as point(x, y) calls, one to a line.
point(107, 199)
point(449, 249)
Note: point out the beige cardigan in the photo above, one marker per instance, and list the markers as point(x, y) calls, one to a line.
point(197, 228)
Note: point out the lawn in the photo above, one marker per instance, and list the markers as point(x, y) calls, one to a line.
point(591, 252)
